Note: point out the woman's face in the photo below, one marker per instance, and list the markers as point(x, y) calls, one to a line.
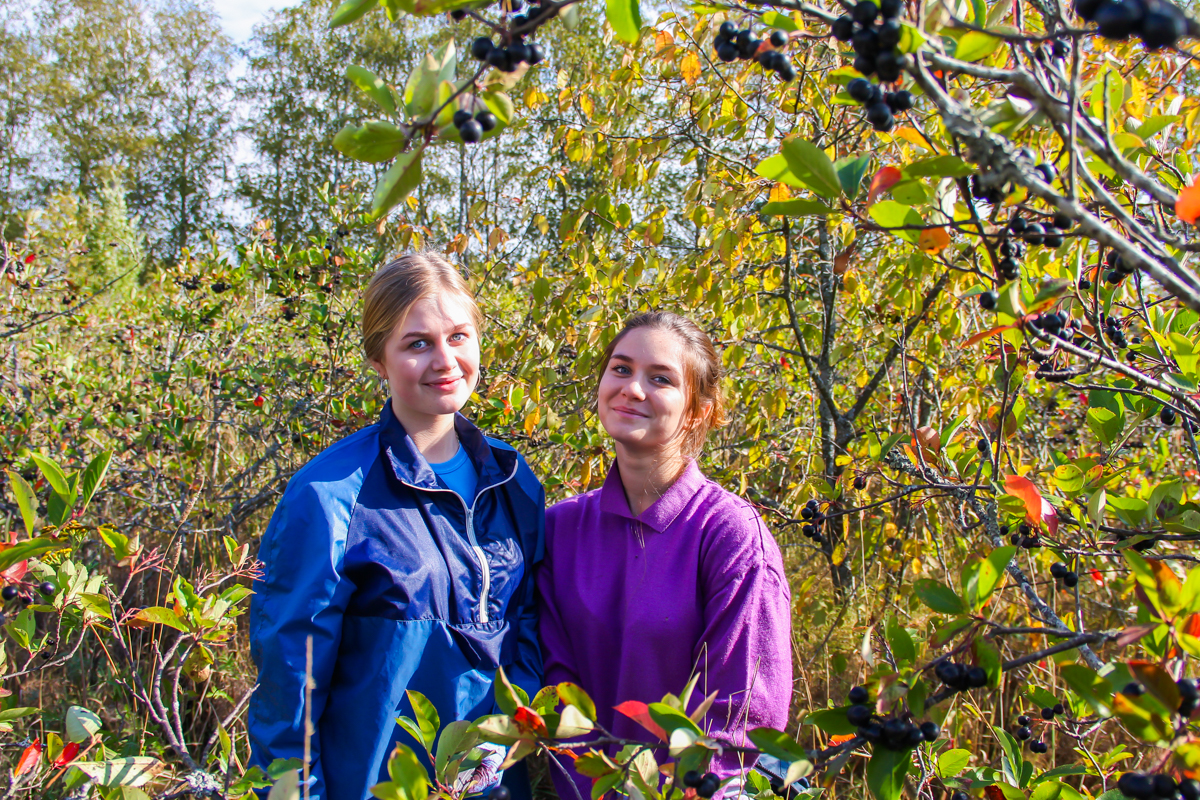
point(431, 360)
point(642, 398)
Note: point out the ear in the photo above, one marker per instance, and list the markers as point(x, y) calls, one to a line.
point(700, 417)
point(378, 367)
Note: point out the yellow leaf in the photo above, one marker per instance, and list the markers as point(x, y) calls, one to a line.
point(911, 136)
point(779, 192)
point(690, 68)
point(586, 105)
point(531, 421)
point(664, 44)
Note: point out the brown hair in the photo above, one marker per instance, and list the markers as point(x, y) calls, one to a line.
point(396, 286)
point(702, 373)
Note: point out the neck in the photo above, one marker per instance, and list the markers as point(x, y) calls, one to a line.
point(646, 476)
point(433, 435)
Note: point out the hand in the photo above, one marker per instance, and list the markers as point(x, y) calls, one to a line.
point(487, 775)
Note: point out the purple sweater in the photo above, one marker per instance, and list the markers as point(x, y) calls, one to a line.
point(630, 606)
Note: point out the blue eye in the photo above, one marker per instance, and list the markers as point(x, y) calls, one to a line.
point(416, 344)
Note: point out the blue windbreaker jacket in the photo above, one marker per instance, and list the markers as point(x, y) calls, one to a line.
point(401, 585)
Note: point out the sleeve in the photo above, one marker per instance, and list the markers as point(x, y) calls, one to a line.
point(745, 653)
point(302, 594)
point(556, 645)
point(527, 669)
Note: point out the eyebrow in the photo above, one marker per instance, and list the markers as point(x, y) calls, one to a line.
point(659, 367)
point(427, 335)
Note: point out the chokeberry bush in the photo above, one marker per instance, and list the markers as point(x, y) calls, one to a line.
point(962, 353)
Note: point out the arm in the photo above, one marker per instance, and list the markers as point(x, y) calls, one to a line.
point(301, 595)
point(526, 670)
point(556, 645)
point(745, 651)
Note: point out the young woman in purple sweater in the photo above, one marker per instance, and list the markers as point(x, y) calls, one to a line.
point(661, 573)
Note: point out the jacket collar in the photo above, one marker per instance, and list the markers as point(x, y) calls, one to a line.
point(493, 465)
point(664, 511)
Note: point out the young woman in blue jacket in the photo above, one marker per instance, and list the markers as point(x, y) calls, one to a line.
point(405, 551)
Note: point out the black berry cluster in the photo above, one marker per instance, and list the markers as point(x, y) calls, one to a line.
point(1060, 572)
point(873, 31)
point(881, 106)
point(1025, 536)
point(960, 677)
point(1112, 329)
point(1038, 234)
point(898, 734)
point(1189, 696)
point(1050, 712)
point(732, 44)
point(1058, 324)
point(1118, 268)
point(1156, 22)
point(815, 518)
point(706, 785)
point(508, 57)
point(472, 127)
point(23, 592)
point(1160, 786)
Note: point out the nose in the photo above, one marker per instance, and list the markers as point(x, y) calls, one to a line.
point(442, 357)
point(634, 390)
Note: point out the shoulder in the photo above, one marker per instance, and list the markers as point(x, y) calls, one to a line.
point(731, 527)
point(575, 507)
point(525, 477)
point(336, 474)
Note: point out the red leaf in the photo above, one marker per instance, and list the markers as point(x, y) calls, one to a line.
point(15, 572)
point(29, 258)
point(1187, 207)
point(1024, 490)
point(1097, 576)
point(67, 755)
point(979, 337)
point(884, 179)
point(30, 757)
point(1050, 517)
point(640, 713)
point(993, 792)
point(529, 721)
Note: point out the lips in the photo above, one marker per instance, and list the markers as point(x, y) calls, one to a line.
point(627, 411)
point(446, 384)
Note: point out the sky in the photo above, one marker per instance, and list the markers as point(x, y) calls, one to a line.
point(240, 16)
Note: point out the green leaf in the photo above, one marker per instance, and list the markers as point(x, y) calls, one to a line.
point(903, 649)
point(975, 45)
point(573, 723)
point(158, 615)
point(457, 737)
point(831, 720)
point(669, 718)
point(26, 500)
point(775, 168)
point(939, 167)
point(777, 743)
point(132, 771)
point(507, 699)
point(797, 207)
point(886, 771)
point(952, 762)
point(81, 724)
point(625, 17)
point(782, 21)
point(575, 696)
point(350, 11)
point(911, 39)
point(426, 718)
point(1091, 688)
point(992, 571)
point(938, 596)
point(373, 87)
point(407, 774)
point(9, 714)
point(1105, 424)
point(810, 164)
point(22, 551)
point(395, 184)
point(850, 171)
point(421, 89)
point(988, 657)
point(92, 476)
point(1011, 762)
point(54, 475)
point(890, 214)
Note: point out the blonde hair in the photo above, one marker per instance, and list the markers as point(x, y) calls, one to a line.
point(396, 286)
point(702, 373)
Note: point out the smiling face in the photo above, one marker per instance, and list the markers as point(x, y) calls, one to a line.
point(642, 399)
point(431, 360)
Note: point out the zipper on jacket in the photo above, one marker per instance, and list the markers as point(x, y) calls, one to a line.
point(479, 554)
